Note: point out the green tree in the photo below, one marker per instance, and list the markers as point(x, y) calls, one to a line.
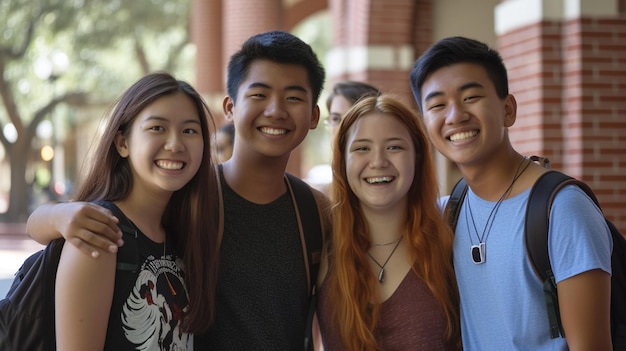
point(109, 44)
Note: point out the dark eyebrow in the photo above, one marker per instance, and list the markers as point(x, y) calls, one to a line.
point(163, 119)
point(258, 85)
point(298, 88)
point(469, 85)
point(462, 88)
point(432, 95)
point(267, 86)
point(365, 140)
point(362, 140)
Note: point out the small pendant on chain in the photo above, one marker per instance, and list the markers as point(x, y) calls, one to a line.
point(381, 275)
point(478, 253)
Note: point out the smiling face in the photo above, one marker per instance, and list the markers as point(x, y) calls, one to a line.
point(380, 162)
point(274, 110)
point(164, 146)
point(464, 117)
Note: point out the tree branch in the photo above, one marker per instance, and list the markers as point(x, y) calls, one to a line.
point(173, 58)
point(141, 56)
point(9, 100)
point(75, 98)
point(10, 51)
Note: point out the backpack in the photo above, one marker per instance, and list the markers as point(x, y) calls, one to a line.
point(27, 312)
point(536, 241)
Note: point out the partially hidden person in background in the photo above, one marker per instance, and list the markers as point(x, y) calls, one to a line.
point(342, 96)
point(152, 163)
point(224, 141)
point(461, 88)
point(386, 281)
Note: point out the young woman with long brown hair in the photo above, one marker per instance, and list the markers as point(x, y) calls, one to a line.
point(152, 166)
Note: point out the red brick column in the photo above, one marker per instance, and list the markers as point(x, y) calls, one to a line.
point(532, 55)
point(206, 34)
point(594, 106)
point(244, 18)
point(567, 68)
point(374, 41)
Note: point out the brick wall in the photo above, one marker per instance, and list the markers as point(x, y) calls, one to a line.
point(370, 30)
point(532, 56)
point(569, 78)
point(595, 105)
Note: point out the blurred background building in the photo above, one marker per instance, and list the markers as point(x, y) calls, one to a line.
point(62, 66)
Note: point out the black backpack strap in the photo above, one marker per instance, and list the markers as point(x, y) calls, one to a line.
point(128, 259)
point(618, 274)
point(537, 218)
point(618, 289)
point(453, 207)
point(536, 228)
point(312, 228)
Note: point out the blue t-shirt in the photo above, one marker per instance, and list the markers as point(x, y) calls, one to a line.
point(502, 303)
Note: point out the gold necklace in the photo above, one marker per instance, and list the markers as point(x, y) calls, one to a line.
point(381, 274)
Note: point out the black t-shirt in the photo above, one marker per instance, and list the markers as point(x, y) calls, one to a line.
point(262, 297)
point(148, 306)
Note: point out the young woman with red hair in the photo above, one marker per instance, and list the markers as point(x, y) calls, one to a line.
point(386, 281)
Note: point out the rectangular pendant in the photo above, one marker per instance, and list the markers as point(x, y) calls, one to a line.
point(381, 275)
point(478, 253)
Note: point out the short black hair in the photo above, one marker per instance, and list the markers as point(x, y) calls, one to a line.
point(453, 50)
point(276, 46)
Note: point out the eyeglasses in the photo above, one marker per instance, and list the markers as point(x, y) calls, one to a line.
point(332, 121)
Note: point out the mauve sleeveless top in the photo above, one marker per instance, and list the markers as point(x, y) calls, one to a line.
point(411, 319)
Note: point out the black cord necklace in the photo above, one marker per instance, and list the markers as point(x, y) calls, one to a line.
point(381, 274)
point(167, 279)
point(478, 251)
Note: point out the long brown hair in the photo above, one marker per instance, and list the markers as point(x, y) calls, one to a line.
point(190, 217)
point(355, 300)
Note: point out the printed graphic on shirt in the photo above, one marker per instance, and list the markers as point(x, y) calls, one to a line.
point(153, 313)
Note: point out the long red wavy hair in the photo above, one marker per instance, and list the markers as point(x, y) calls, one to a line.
point(354, 296)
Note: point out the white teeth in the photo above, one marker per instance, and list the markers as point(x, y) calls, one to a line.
point(170, 164)
point(378, 180)
point(273, 131)
point(463, 135)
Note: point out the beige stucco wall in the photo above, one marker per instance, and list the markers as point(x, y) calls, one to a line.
point(470, 18)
